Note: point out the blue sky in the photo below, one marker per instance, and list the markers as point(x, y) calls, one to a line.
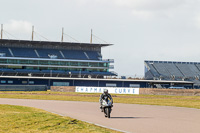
point(140, 29)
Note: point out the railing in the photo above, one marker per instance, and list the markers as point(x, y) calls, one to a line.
point(110, 60)
point(114, 72)
point(111, 67)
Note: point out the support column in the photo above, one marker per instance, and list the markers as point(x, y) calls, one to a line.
point(32, 32)
point(1, 31)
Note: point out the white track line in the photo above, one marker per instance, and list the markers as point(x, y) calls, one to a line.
point(93, 123)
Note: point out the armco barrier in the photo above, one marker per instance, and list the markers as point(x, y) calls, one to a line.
point(144, 91)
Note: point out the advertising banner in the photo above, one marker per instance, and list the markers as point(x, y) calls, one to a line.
point(113, 90)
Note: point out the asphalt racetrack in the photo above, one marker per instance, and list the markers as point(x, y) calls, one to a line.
point(125, 117)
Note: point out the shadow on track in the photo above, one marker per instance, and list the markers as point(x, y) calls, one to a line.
point(127, 117)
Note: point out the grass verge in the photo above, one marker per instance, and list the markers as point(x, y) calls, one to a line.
point(179, 101)
point(15, 119)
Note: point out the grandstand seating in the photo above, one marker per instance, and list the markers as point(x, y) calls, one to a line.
point(93, 55)
point(74, 54)
point(27, 71)
point(185, 69)
point(45, 53)
point(161, 69)
point(153, 70)
point(172, 70)
point(198, 66)
point(6, 70)
point(103, 73)
point(6, 51)
point(25, 52)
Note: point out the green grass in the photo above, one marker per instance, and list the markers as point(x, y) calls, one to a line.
point(17, 119)
point(179, 101)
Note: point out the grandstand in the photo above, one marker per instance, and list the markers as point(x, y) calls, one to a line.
point(38, 65)
point(53, 59)
point(171, 70)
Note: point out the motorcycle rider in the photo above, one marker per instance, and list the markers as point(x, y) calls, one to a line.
point(103, 96)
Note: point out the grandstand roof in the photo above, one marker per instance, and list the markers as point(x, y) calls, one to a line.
point(177, 62)
point(53, 42)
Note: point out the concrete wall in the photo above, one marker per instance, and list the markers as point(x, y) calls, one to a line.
point(175, 92)
point(23, 88)
point(144, 91)
point(63, 88)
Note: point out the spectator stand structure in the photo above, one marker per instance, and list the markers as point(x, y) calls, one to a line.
point(174, 71)
point(46, 63)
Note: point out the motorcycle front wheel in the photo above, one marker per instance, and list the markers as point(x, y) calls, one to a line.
point(107, 112)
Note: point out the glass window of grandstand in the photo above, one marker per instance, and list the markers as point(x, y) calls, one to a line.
point(83, 63)
point(80, 69)
point(62, 69)
point(134, 85)
point(24, 82)
point(3, 81)
point(52, 68)
point(10, 82)
point(43, 68)
point(62, 63)
point(23, 61)
point(73, 69)
point(74, 63)
point(102, 64)
point(35, 68)
point(13, 62)
point(2, 67)
point(43, 62)
point(68, 63)
point(15, 67)
point(33, 62)
point(102, 70)
point(105, 64)
point(31, 82)
point(30, 68)
point(60, 83)
point(3, 61)
point(111, 85)
point(83, 69)
point(93, 64)
point(54, 62)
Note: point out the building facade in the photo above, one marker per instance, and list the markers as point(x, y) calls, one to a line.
point(53, 59)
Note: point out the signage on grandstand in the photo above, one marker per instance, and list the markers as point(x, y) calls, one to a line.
point(113, 90)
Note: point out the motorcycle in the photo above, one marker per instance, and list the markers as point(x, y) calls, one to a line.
point(107, 107)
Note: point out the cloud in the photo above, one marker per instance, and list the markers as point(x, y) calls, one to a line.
point(18, 26)
point(142, 14)
point(144, 9)
point(138, 4)
point(197, 21)
point(148, 9)
point(150, 4)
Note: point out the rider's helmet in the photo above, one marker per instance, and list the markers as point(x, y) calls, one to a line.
point(105, 91)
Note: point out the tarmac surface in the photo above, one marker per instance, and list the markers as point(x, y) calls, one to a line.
point(124, 117)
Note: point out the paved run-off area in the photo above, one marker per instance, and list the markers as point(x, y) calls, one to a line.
point(127, 117)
